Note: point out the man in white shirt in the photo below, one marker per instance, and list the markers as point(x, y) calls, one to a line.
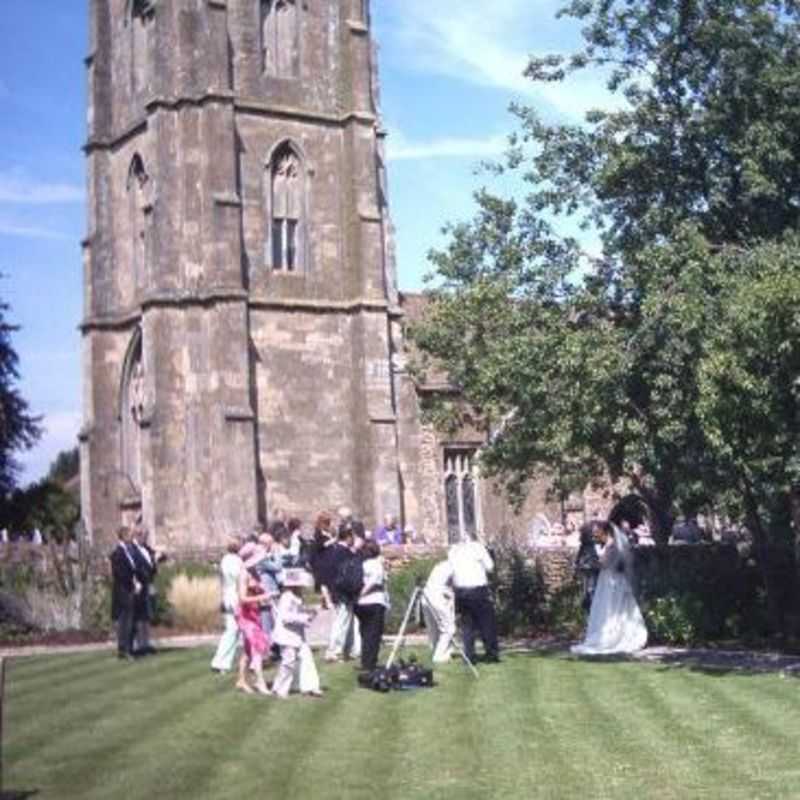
point(439, 611)
point(471, 564)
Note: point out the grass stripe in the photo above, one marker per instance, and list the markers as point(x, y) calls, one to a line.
point(87, 696)
point(536, 727)
point(109, 743)
point(678, 721)
point(33, 674)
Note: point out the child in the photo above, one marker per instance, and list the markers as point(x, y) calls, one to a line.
point(297, 668)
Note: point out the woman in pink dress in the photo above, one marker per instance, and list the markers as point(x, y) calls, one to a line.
point(248, 618)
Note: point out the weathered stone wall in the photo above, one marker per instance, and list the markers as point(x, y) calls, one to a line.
point(259, 388)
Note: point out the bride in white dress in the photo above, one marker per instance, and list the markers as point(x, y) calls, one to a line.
point(615, 624)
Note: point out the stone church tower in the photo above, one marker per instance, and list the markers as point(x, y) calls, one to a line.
point(240, 296)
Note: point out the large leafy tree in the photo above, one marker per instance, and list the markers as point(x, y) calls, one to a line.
point(578, 362)
point(19, 429)
point(749, 384)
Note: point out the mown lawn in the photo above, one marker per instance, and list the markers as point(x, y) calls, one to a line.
point(533, 727)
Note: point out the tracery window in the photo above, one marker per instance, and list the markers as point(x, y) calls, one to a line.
point(462, 500)
point(140, 22)
point(287, 203)
point(139, 204)
point(132, 407)
point(280, 38)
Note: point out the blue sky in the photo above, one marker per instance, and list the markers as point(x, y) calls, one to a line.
point(448, 72)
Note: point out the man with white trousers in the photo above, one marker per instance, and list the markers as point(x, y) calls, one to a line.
point(438, 608)
point(229, 569)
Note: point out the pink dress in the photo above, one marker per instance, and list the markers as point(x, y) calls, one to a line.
point(248, 618)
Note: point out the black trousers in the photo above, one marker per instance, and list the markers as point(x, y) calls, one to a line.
point(477, 615)
point(125, 623)
point(371, 619)
point(589, 584)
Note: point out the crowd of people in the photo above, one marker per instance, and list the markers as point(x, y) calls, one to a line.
point(265, 577)
point(263, 581)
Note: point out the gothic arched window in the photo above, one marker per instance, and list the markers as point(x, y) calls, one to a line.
point(280, 38)
point(287, 210)
point(462, 500)
point(138, 187)
point(140, 18)
point(132, 405)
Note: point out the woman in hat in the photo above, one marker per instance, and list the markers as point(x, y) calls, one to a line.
point(297, 668)
point(248, 618)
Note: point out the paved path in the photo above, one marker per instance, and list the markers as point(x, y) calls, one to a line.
point(693, 658)
point(697, 658)
point(317, 637)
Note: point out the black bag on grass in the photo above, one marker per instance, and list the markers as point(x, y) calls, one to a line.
point(399, 676)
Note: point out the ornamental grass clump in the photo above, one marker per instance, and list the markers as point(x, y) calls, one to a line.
point(194, 602)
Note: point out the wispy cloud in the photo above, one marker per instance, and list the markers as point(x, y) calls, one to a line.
point(30, 231)
point(18, 189)
point(465, 40)
point(401, 149)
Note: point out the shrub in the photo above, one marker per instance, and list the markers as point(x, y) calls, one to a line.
point(675, 619)
point(194, 602)
point(565, 614)
point(402, 580)
point(517, 590)
point(163, 613)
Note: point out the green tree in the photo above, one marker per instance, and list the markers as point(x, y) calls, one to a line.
point(19, 430)
point(709, 132)
point(749, 384)
point(44, 505)
point(578, 362)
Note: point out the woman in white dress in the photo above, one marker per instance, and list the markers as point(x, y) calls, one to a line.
point(615, 624)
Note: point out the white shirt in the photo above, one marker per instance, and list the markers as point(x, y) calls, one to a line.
point(470, 562)
point(374, 577)
point(438, 587)
point(144, 551)
point(229, 569)
point(295, 544)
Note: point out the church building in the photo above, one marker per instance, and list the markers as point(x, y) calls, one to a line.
point(243, 330)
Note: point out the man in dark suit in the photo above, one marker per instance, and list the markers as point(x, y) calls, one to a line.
point(124, 588)
point(146, 562)
point(587, 562)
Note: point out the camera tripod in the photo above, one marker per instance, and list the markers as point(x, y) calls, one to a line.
point(416, 597)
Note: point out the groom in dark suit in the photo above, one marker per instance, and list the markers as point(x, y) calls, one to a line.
point(124, 588)
point(587, 562)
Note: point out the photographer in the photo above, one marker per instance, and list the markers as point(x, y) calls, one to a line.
point(439, 611)
point(471, 564)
